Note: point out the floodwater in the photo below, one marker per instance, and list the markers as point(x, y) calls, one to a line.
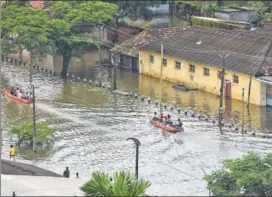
point(92, 128)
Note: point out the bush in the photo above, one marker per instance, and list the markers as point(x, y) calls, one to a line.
point(24, 133)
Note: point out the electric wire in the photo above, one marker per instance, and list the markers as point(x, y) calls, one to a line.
point(186, 49)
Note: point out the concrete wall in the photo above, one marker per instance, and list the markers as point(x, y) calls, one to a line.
point(209, 83)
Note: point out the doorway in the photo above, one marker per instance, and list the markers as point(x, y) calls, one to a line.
point(228, 89)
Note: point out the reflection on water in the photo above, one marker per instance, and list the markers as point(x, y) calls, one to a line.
point(92, 128)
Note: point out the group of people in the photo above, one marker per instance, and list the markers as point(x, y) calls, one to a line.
point(17, 92)
point(166, 120)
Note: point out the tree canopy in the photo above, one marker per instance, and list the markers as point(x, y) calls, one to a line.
point(23, 131)
point(24, 27)
point(122, 184)
point(250, 175)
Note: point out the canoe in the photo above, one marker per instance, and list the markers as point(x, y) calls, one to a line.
point(166, 128)
point(15, 98)
point(182, 87)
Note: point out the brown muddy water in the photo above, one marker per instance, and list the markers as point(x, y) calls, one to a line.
point(92, 128)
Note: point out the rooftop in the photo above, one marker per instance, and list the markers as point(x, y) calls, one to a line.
point(130, 46)
point(184, 46)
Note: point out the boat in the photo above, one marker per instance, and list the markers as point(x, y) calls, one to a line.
point(165, 127)
point(168, 128)
point(15, 98)
point(183, 87)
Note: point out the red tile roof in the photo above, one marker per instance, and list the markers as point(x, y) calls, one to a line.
point(37, 4)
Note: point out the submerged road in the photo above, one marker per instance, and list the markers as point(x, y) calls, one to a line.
point(92, 128)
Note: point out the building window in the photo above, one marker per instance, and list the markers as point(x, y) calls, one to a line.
point(206, 72)
point(164, 62)
point(192, 68)
point(151, 58)
point(178, 65)
point(235, 79)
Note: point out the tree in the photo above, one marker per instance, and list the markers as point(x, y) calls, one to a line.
point(259, 10)
point(66, 27)
point(249, 176)
point(123, 184)
point(23, 131)
point(24, 27)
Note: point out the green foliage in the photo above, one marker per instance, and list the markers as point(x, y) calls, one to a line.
point(259, 9)
point(24, 26)
point(268, 16)
point(24, 132)
point(92, 11)
point(123, 184)
point(248, 176)
point(59, 10)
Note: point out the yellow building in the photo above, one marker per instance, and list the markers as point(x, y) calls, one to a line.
point(191, 58)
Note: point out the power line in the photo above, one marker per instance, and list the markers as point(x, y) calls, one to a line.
point(186, 49)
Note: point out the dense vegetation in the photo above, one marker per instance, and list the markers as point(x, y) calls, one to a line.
point(122, 184)
point(248, 176)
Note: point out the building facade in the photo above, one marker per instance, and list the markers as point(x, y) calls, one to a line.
point(183, 63)
point(204, 77)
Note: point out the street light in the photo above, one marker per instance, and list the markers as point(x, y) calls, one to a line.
point(137, 144)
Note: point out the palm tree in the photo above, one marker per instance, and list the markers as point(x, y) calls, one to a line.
point(122, 184)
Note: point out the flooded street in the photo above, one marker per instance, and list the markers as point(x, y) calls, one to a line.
point(92, 128)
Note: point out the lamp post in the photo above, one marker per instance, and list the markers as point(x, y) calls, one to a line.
point(137, 144)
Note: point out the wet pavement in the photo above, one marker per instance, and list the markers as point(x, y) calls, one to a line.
point(92, 128)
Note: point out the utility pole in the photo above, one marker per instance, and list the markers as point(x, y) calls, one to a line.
point(34, 118)
point(161, 78)
point(222, 77)
point(0, 94)
point(115, 59)
point(99, 46)
point(243, 97)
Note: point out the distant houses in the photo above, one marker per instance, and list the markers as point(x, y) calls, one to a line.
point(191, 57)
point(128, 52)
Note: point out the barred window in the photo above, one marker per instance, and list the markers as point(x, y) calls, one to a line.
point(235, 79)
point(178, 65)
point(164, 62)
point(192, 68)
point(206, 72)
point(151, 58)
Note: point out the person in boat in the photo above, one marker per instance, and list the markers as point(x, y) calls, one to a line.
point(164, 120)
point(19, 94)
point(169, 120)
point(17, 91)
point(12, 91)
point(156, 118)
point(179, 125)
point(26, 96)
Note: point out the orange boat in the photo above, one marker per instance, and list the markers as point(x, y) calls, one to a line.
point(166, 128)
point(15, 98)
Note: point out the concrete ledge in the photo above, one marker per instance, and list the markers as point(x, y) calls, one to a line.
point(16, 168)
